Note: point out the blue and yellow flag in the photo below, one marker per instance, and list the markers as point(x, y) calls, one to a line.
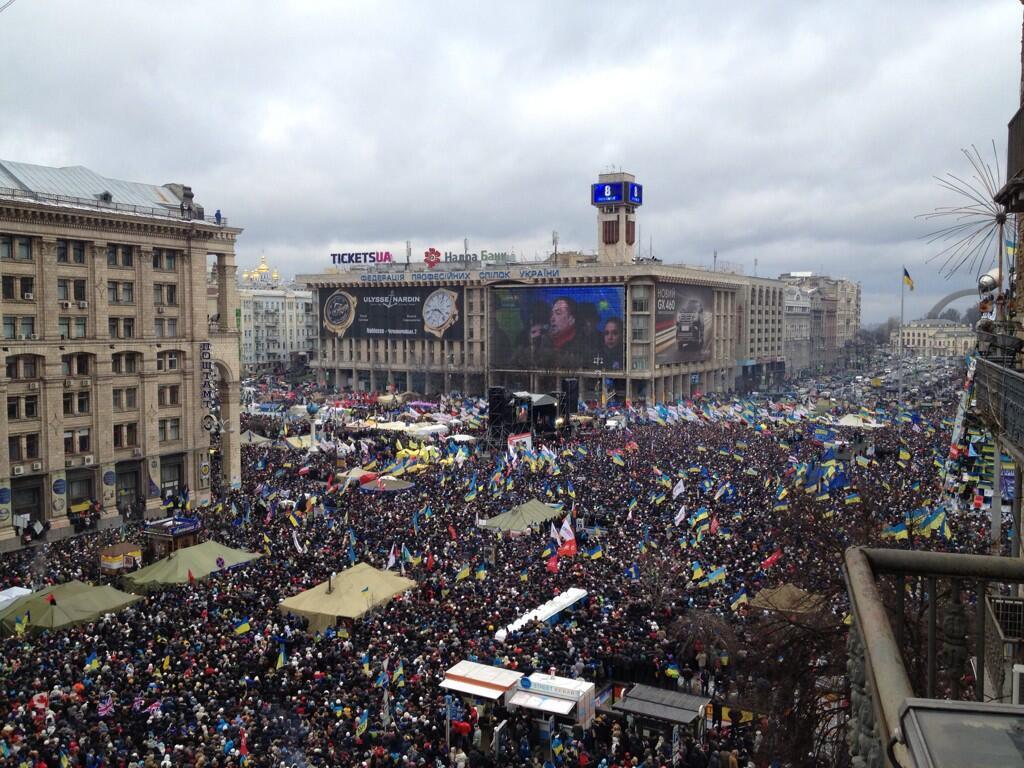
point(739, 599)
point(463, 573)
point(907, 280)
point(92, 662)
point(21, 623)
point(595, 551)
point(281, 658)
point(362, 722)
point(243, 626)
point(633, 571)
point(481, 572)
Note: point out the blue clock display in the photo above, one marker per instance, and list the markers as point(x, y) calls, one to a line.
point(636, 194)
point(602, 194)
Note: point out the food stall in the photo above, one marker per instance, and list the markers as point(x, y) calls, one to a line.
point(570, 701)
point(480, 683)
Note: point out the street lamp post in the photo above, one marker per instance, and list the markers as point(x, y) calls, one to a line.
point(599, 366)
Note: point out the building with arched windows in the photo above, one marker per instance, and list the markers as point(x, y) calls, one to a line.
point(113, 373)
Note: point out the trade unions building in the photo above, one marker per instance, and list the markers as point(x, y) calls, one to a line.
point(625, 327)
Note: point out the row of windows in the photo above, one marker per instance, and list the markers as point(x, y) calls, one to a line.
point(28, 367)
point(78, 403)
point(24, 327)
point(13, 247)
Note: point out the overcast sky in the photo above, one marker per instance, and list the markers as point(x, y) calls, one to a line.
point(803, 135)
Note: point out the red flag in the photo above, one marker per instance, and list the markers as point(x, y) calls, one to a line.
point(243, 748)
point(430, 561)
point(451, 532)
point(51, 599)
point(771, 560)
point(191, 578)
point(568, 549)
point(552, 564)
point(714, 524)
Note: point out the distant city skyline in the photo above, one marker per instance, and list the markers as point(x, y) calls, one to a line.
point(805, 137)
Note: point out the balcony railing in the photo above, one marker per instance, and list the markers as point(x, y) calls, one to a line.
point(889, 725)
point(195, 214)
point(999, 400)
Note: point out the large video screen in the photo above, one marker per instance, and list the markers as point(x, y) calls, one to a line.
point(412, 312)
point(558, 327)
point(683, 322)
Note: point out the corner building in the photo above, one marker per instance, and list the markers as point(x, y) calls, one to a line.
point(111, 364)
point(625, 327)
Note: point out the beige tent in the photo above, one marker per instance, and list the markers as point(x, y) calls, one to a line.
point(353, 592)
point(529, 515)
point(787, 599)
point(200, 560)
point(64, 605)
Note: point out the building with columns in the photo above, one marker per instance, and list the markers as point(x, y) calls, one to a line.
point(624, 326)
point(934, 337)
point(113, 374)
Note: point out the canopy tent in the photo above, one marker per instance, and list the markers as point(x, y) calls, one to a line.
point(518, 519)
point(386, 484)
point(787, 598)
point(64, 605)
point(428, 429)
point(859, 422)
point(11, 594)
point(460, 438)
point(200, 561)
point(251, 438)
point(354, 592)
point(300, 442)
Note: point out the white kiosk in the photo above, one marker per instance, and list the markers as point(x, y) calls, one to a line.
point(571, 701)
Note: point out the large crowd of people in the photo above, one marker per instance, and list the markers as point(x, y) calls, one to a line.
point(680, 519)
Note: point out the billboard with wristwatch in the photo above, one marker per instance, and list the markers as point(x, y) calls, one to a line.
point(414, 312)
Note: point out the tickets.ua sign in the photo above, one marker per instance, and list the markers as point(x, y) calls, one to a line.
point(362, 257)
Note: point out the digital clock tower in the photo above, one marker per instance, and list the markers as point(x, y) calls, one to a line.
point(616, 197)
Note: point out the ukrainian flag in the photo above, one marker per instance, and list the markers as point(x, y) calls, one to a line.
point(243, 626)
point(366, 664)
point(21, 623)
point(898, 532)
point(904, 454)
point(481, 572)
point(698, 571)
point(617, 460)
point(907, 280)
point(780, 507)
point(398, 676)
point(463, 573)
point(672, 670)
point(91, 662)
point(863, 461)
point(633, 571)
point(781, 492)
point(632, 504)
point(524, 575)
point(292, 520)
point(281, 657)
point(853, 498)
point(740, 598)
point(363, 722)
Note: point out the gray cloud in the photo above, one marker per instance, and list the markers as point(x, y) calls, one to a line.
point(801, 135)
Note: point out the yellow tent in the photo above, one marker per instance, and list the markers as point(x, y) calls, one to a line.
point(354, 592)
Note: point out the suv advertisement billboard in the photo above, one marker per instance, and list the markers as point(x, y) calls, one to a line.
point(412, 312)
point(558, 327)
point(683, 323)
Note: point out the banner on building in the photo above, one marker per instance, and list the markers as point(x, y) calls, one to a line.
point(683, 323)
point(412, 312)
point(564, 327)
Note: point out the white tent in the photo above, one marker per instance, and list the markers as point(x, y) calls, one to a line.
point(11, 594)
point(463, 438)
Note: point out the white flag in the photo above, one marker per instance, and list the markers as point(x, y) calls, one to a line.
point(391, 558)
point(679, 488)
point(566, 531)
point(680, 515)
point(554, 534)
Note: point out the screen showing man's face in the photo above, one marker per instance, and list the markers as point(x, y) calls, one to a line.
point(561, 318)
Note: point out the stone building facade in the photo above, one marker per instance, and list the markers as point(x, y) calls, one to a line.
point(113, 373)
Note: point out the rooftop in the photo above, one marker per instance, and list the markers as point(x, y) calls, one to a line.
point(78, 186)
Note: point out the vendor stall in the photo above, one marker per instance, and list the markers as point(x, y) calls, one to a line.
point(120, 557)
point(169, 535)
point(658, 710)
point(570, 701)
point(481, 681)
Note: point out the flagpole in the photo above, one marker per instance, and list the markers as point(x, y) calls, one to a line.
point(899, 358)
